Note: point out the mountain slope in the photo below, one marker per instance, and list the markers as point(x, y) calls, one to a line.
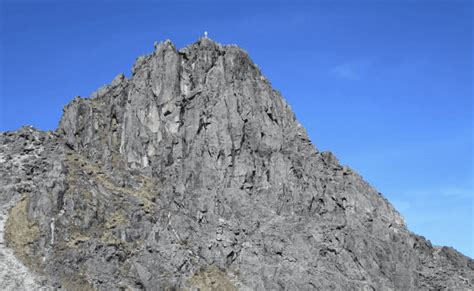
point(195, 173)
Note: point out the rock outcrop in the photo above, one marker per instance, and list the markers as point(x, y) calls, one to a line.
point(195, 174)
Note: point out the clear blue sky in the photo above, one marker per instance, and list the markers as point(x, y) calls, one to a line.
point(385, 85)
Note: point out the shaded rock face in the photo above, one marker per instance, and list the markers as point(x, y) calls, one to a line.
point(194, 173)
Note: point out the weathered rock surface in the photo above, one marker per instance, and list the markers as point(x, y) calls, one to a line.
point(194, 173)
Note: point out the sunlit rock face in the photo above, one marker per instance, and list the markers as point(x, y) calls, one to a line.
point(195, 173)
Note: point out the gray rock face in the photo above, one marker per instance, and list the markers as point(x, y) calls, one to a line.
point(195, 174)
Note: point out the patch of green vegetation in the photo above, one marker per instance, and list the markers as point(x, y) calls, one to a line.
point(87, 195)
point(21, 233)
point(211, 279)
point(75, 239)
point(117, 218)
point(77, 284)
point(110, 239)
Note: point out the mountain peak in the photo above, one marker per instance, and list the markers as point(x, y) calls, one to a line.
point(195, 170)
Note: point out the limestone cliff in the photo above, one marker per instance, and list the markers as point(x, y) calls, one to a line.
point(195, 173)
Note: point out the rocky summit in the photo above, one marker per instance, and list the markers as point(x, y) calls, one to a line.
point(194, 174)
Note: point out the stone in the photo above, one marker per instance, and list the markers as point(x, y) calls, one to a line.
point(194, 173)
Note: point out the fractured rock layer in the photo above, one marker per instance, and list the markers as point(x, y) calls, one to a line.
point(195, 173)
